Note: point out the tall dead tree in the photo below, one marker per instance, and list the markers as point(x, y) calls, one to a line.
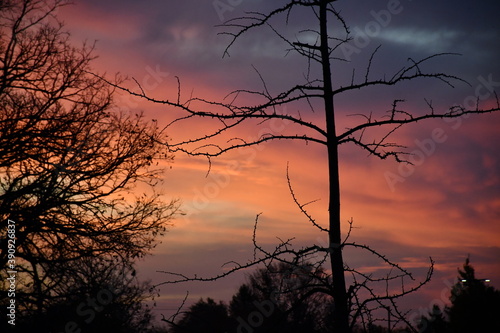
point(320, 52)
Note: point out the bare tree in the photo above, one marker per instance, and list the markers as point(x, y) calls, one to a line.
point(69, 161)
point(317, 93)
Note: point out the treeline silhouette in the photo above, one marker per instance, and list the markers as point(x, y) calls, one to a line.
point(475, 307)
point(275, 299)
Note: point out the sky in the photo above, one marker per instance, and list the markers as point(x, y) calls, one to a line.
point(446, 206)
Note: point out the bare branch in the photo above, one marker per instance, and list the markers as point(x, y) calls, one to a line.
point(301, 206)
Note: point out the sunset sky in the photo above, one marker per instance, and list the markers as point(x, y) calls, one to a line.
point(446, 207)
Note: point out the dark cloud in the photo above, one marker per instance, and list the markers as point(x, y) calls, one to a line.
point(182, 35)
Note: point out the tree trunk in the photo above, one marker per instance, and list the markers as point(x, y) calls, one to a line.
point(341, 313)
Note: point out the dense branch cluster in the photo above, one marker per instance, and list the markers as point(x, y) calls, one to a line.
point(69, 161)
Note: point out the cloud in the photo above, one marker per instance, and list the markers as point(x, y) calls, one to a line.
point(429, 40)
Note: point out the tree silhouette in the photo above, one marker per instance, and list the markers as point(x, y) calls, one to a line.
point(69, 161)
point(204, 316)
point(276, 298)
point(475, 306)
point(435, 323)
point(282, 297)
point(321, 47)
